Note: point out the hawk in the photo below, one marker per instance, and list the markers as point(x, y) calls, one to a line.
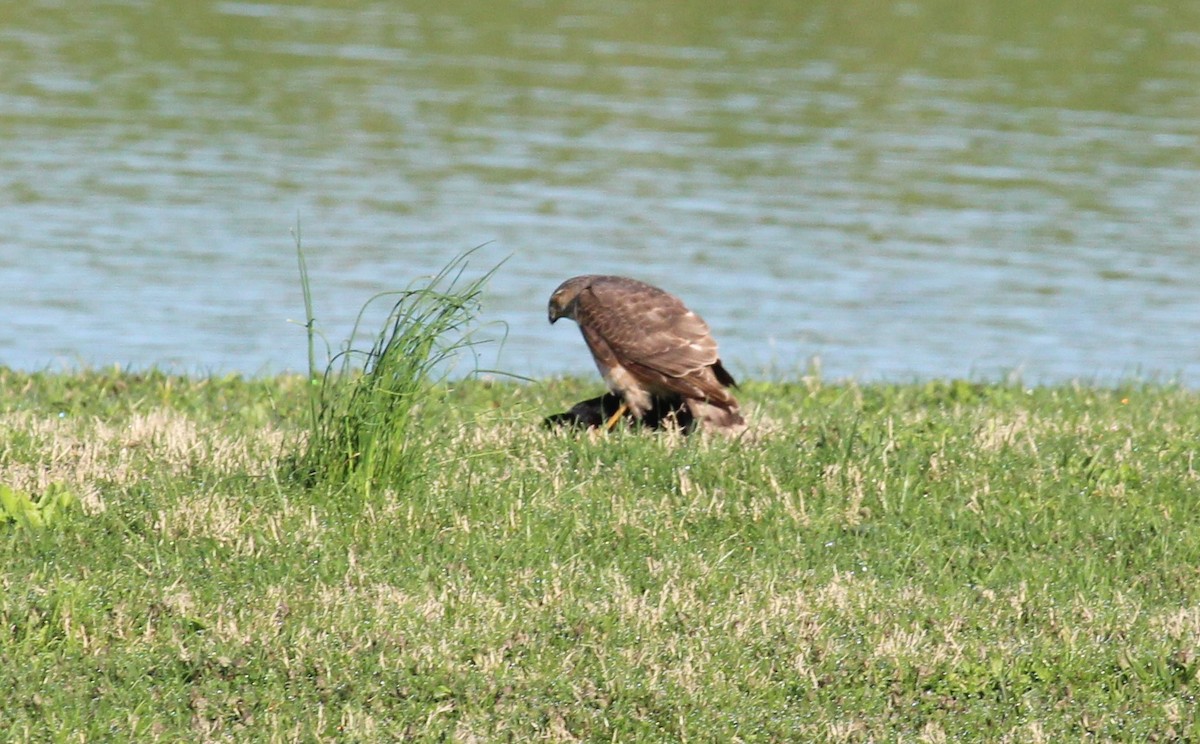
point(648, 345)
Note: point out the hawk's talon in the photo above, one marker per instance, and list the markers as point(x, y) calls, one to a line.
point(613, 419)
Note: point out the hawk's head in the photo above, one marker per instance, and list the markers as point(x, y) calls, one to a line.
point(562, 302)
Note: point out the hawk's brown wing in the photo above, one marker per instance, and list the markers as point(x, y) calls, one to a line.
point(650, 333)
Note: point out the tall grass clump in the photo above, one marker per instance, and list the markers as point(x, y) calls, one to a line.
point(368, 407)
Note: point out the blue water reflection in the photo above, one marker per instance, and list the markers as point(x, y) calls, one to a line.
point(902, 193)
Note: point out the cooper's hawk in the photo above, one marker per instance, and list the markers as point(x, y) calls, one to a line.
point(647, 344)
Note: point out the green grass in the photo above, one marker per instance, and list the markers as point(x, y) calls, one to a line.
point(365, 406)
point(929, 562)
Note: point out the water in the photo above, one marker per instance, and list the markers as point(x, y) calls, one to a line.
point(905, 191)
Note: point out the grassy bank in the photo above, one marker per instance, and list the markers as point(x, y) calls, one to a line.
point(942, 561)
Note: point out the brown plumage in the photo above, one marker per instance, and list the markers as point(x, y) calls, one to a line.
point(647, 344)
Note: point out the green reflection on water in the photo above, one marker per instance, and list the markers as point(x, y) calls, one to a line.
point(726, 135)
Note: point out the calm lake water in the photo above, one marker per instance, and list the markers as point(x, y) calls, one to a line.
point(916, 189)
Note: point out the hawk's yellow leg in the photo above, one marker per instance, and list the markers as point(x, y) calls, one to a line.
point(612, 420)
